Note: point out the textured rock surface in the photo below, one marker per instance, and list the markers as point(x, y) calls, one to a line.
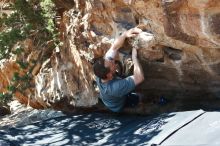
point(4, 111)
point(9, 67)
point(181, 58)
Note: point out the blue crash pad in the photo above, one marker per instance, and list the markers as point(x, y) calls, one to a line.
point(103, 129)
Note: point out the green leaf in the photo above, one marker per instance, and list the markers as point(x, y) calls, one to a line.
point(23, 65)
point(11, 88)
point(15, 76)
point(1, 95)
point(25, 78)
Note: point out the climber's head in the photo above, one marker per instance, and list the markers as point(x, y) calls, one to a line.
point(104, 68)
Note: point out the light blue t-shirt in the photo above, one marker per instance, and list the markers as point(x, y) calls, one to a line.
point(113, 92)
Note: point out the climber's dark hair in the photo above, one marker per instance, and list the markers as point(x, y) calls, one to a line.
point(99, 68)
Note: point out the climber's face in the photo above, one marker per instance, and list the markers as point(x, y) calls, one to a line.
point(112, 67)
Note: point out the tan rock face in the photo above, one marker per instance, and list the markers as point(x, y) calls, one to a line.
point(186, 20)
point(9, 67)
point(183, 56)
point(179, 49)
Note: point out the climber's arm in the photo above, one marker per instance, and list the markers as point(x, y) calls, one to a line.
point(112, 52)
point(138, 75)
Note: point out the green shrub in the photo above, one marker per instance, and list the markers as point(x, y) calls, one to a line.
point(28, 18)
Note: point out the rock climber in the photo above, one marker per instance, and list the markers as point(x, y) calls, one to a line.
point(115, 92)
